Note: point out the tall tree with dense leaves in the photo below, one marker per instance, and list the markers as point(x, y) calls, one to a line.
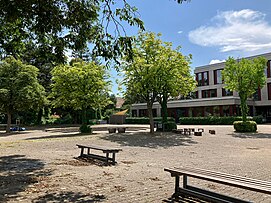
point(80, 86)
point(19, 88)
point(140, 73)
point(156, 72)
point(174, 75)
point(244, 76)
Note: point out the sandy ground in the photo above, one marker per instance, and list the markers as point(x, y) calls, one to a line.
point(42, 165)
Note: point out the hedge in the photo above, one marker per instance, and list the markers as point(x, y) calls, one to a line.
point(145, 120)
point(212, 120)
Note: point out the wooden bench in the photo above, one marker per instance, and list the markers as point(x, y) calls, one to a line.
point(110, 153)
point(217, 177)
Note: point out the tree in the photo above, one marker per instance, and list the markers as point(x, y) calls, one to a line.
point(174, 75)
point(156, 73)
point(140, 73)
point(244, 76)
point(80, 85)
point(19, 88)
point(58, 25)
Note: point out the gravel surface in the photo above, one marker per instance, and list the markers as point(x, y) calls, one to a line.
point(42, 165)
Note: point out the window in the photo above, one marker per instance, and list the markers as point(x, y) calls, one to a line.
point(269, 90)
point(202, 78)
point(226, 92)
point(134, 113)
point(226, 110)
point(199, 79)
point(205, 79)
point(209, 93)
point(218, 76)
point(257, 95)
point(268, 71)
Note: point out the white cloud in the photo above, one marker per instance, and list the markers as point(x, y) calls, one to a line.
point(216, 61)
point(180, 32)
point(245, 30)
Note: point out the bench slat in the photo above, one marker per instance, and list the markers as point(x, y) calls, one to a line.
point(227, 176)
point(104, 149)
point(231, 182)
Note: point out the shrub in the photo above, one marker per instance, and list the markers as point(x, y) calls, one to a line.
point(213, 120)
point(85, 129)
point(248, 126)
point(169, 126)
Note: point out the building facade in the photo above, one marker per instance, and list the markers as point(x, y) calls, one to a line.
point(212, 99)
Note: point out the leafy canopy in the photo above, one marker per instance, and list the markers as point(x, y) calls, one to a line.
point(244, 76)
point(58, 25)
point(156, 71)
point(19, 86)
point(79, 86)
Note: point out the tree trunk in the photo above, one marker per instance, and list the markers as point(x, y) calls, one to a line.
point(244, 108)
point(9, 122)
point(84, 116)
point(164, 108)
point(40, 114)
point(151, 118)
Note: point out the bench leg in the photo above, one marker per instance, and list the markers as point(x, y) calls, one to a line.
point(184, 181)
point(82, 152)
point(177, 186)
point(113, 158)
point(107, 158)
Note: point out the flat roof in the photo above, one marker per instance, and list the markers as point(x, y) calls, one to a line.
point(221, 63)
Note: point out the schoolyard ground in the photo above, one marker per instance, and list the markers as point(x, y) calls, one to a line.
point(41, 165)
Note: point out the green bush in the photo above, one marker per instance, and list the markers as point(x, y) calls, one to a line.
point(248, 126)
point(169, 126)
point(145, 120)
point(85, 128)
point(213, 120)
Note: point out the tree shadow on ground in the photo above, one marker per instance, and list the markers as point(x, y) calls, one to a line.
point(251, 135)
point(145, 139)
point(69, 197)
point(59, 136)
point(16, 173)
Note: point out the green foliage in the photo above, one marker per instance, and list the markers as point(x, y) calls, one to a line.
point(248, 126)
point(19, 87)
point(145, 120)
point(244, 76)
point(79, 86)
point(156, 72)
point(85, 129)
point(42, 25)
point(213, 120)
point(169, 126)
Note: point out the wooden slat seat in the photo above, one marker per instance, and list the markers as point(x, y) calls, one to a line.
point(217, 177)
point(107, 150)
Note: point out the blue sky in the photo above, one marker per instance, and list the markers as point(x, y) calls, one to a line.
point(210, 30)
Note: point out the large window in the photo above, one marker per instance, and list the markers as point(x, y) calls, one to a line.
point(269, 90)
point(268, 70)
point(202, 78)
point(218, 76)
point(257, 95)
point(209, 93)
point(226, 92)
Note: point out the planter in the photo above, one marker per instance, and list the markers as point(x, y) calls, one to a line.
point(112, 130)
point(121, 130)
